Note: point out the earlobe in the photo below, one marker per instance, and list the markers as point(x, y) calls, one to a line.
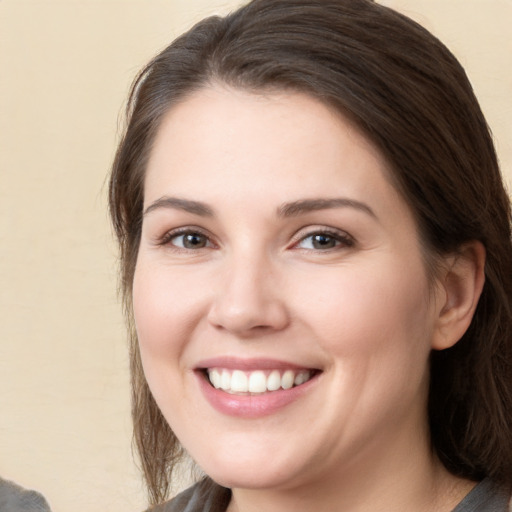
point(461, 283)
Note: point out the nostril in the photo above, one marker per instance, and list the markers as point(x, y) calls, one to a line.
point(248, 319)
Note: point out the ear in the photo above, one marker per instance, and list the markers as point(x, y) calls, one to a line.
point(460, 285)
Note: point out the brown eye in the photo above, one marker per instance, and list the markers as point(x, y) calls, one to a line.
point(190, 240)
point(323, 241)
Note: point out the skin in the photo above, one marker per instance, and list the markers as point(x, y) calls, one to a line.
point(359, 309)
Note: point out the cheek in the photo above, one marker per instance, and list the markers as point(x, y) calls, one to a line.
point(162, 313)
point(163, 310)
point(378, 312)
point(377, 331)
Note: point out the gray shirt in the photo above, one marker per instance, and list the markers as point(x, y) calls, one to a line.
point(14, 498)
point(485, 497)
point(207, 496)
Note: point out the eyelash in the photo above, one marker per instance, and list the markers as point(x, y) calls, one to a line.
point(171, 235)
point(340, 238)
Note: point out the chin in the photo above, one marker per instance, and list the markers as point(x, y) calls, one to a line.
point(251, 478)
point(253, 468)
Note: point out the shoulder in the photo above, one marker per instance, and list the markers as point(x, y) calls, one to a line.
point(486, 497)
point(205, 496)
point(14, 498)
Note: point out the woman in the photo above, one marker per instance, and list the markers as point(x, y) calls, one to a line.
point(317, 267)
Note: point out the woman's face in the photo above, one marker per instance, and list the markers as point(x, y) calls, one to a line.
point(281, 299)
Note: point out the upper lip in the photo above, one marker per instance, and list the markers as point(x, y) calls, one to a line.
point(236, 363)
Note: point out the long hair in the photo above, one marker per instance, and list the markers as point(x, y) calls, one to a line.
point(411, 97)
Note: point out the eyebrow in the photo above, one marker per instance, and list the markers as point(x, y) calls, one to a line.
point(292, 209)
point(187, 205)
point(302, 206)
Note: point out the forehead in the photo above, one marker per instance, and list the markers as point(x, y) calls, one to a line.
point(235, 134)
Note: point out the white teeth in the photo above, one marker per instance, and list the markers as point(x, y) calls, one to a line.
point(259, 381)
point(225, 380)
point(300, 378)
point(287, 379)
point(215, 379)
point(274, 381)
point(239, 382)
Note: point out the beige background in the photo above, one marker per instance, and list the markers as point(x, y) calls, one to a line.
point(65, 67)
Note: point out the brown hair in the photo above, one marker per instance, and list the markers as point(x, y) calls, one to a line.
point(411, 97)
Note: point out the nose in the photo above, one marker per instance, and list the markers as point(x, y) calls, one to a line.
point(249, 301)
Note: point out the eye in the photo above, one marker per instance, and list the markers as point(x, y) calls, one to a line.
point(188, 239)
point(325, 240)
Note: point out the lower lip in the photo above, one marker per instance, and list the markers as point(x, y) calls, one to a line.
point(252, 406)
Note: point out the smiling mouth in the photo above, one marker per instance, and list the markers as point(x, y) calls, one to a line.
point(257, 382)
